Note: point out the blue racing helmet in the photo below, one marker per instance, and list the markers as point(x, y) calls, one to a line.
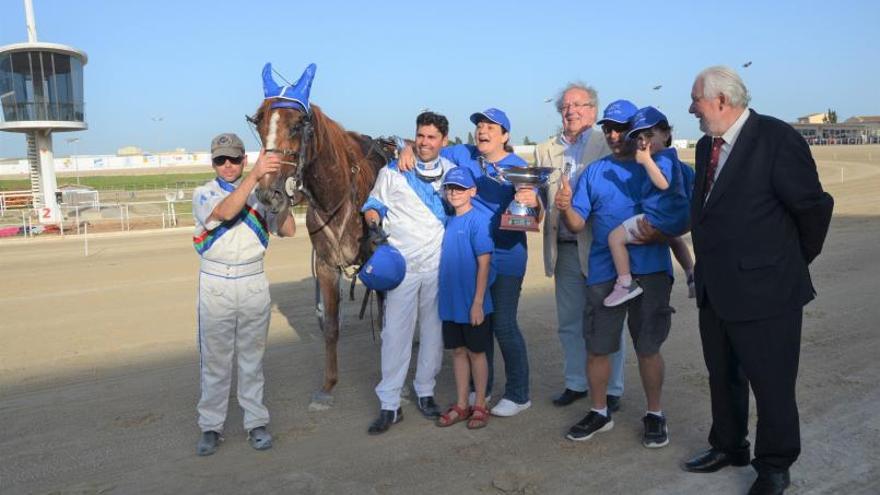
point(384, 270)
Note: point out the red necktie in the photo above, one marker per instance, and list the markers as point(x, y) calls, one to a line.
point(713, 165)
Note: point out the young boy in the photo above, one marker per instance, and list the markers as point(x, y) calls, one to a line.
point(666, 203)
point(465, 304)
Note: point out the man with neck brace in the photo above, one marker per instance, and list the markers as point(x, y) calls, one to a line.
point(231, 235)
point(410, 207)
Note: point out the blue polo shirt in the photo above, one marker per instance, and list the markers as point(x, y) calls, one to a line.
point(511, 251)
point(467, 236)
point(608, 192)
point(667, 210)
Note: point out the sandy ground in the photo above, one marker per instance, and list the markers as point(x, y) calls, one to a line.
point(99, 380)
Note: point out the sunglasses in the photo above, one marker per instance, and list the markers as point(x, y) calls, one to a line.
point(220, 160)
point(619, 128)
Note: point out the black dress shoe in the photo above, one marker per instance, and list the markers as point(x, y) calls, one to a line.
point(712, 460)
point(385, 420)
point(428, 407)
point(613, 402)
point(567, 397)
point(768, 483)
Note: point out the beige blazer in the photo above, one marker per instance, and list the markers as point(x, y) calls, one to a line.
point(550, 154)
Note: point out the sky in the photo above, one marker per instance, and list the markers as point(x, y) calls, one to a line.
point(171, 74)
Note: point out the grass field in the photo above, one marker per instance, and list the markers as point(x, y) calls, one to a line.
point(121, 182)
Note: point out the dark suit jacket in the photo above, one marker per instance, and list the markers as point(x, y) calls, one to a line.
point(764, 222)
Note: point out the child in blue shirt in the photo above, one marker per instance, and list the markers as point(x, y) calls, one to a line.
point(465, 303)
point(666, 203)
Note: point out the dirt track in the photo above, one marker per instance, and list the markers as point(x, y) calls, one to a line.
point(99, 379)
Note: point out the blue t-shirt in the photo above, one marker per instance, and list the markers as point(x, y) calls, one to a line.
point(668, 211)
point(608, 192)
point(689, 177)
point(511, 251)
point(467, 236)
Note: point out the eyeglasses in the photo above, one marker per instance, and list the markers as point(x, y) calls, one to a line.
point(220, 160)
point(608, 128)
point(454, 189)
point(576, 106)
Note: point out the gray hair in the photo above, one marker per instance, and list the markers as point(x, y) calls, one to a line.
point(719, 79)
point(577, 85)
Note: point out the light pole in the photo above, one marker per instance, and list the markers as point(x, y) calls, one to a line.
point(74, 142)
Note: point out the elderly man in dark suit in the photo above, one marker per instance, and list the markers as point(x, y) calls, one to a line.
point(759, 217)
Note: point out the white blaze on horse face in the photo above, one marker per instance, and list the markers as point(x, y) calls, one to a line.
point(273, 130)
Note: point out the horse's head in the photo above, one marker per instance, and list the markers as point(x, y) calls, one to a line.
point(284, 124)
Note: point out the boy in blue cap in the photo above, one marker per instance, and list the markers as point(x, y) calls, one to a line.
point(465, 302)
point(666, 203)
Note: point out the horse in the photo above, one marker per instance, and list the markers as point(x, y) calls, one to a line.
point(334, 170)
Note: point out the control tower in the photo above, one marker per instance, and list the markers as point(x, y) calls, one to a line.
point(41, 91)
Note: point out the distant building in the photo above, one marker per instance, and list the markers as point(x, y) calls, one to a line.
point(863, 119)
point(813, 118)
point(129, 151)
point(855, 130)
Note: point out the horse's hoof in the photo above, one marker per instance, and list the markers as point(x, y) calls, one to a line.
point(321, 401)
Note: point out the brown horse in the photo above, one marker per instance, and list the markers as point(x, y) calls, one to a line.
point(334, 170)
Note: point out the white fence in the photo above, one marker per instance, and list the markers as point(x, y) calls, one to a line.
point(91, 163)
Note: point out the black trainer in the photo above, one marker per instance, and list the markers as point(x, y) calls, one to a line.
point(656, 434)
point(428, 407)
point(587, 427)
point(385, 420)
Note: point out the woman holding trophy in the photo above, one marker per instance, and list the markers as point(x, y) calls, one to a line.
point(488, 159)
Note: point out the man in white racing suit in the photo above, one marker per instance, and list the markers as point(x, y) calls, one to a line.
point(411, 209)
point(231, 235)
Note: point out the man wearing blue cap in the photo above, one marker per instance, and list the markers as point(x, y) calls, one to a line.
point(565, 253)
point(607, 193)
point(409, 205)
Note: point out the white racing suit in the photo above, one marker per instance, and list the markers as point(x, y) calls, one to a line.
point(233, 305)
point(414, 218)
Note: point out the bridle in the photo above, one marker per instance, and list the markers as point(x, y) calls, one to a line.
point(290, 186)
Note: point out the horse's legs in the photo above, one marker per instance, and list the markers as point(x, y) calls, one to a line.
point(328, 280)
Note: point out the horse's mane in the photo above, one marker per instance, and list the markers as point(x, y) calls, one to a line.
point(332, 144)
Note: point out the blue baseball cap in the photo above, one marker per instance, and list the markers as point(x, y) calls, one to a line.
point(645, 118)
point(493, 115)
point(619, 112)
point(459, 176)
point(385, 269)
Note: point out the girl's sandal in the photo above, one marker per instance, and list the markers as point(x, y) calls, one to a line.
point(479, 418)
point(454, 414)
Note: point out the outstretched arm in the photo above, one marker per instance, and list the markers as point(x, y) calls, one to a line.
point(570, 217)
point(232, 205)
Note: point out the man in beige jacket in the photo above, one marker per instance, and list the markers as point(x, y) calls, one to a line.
point(565, 253)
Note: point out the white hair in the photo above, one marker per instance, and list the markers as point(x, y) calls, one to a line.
point(577, 85)
point(722, 80)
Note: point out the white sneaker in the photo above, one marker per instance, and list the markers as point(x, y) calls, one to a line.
point(472, 398)
point(506, 407)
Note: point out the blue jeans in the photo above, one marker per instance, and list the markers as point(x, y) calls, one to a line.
point(505, 298)
point(571, 299)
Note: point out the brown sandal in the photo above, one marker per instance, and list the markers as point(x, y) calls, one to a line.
point(479, 418)
point(453, 415)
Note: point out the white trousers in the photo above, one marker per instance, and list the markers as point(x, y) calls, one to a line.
point(233, 323)
point(414, 300)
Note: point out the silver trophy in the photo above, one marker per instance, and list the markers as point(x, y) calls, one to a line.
point(519, 216)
